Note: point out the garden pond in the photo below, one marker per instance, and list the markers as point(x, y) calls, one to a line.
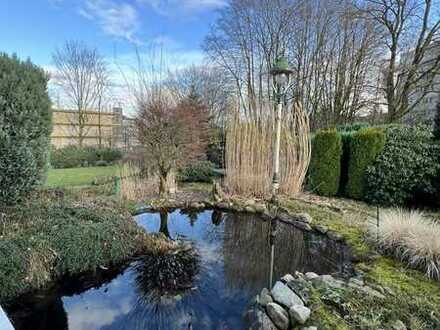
point(233, 265)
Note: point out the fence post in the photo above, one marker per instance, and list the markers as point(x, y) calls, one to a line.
point(117, 185)
point(377, 222)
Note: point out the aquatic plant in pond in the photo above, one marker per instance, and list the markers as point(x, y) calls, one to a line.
point(232, 265)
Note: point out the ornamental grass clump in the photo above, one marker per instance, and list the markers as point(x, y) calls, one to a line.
point(410, 237)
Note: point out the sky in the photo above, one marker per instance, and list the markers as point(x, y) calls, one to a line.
point(117, 28)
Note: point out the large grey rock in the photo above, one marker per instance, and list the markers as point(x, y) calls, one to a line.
point(310, 328)
point(335, 236)
point(321, 229)
point(398, 325)
point(356, 281)
point(278, 315)
point(303, 217)
point(282, 294)
point(302, 225)
point(284, 216)
point(329, 281)
point(257, 319)
point(265, 297)
point(301, 288)
point(299, 314)
point(260, 208)
point(286, 278)
point(311, 275)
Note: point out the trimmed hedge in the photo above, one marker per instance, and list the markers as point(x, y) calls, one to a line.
point(405, 171)
point(25, 127)
point(346, 137)
point(202, 171)
point(365, 145)
point(325, 164)
point(75, 156)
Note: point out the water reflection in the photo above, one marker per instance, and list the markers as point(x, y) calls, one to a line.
point(164, 224)
point(233, 265)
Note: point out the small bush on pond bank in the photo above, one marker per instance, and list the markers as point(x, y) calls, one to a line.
point(25, 127)
point(411, 237)
point(45, 239)
point(325, 164)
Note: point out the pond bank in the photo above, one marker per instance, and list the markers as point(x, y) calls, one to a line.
point(51, 236)
point(416, 299)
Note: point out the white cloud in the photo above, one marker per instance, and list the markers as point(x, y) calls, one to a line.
point(186, 7)
point(119, 20)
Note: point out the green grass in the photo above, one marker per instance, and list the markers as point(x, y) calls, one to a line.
point(82, 176)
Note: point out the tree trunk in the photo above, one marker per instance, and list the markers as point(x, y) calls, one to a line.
point(163, 187)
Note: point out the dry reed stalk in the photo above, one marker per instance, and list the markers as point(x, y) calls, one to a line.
point(136, 184)
point(249, 152)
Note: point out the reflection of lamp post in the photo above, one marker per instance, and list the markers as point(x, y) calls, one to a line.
point(281, 75)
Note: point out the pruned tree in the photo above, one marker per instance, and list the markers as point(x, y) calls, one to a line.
point(410, 31)
point(81, 73)
point(161, 133)
point(196, 120)
point(172, 133)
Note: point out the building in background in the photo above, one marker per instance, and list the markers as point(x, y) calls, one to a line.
point(424, 110)
point(102, 128)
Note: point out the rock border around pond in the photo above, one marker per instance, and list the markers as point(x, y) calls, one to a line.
point(288, 304)
point(302, 221)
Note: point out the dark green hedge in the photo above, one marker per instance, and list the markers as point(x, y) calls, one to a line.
point(405, 171)
point(365, 145)
point(346, 137)
point(25, 127)
point(75, 156)
point(202, 171)
point(325, 165)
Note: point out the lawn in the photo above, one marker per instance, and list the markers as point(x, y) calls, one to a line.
point(82, 176)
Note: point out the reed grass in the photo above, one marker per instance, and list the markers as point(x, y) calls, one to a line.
point(137, 183)
point(250, 141)
point(411, 237)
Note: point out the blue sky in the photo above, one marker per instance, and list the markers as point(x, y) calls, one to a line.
point(34, 28)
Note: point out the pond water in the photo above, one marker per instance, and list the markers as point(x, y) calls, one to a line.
point(233, 266)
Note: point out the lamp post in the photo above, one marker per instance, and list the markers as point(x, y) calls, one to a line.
point(281, 77)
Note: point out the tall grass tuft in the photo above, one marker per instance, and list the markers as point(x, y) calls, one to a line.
point(137, 184)
point(410, 237)
point(249, 151)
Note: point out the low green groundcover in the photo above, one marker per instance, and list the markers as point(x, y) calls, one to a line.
point(44, 240)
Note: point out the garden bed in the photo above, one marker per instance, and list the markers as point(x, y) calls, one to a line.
point(50, 236)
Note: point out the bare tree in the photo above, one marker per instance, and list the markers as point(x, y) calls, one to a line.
point(81, 73)
point(246, 40)
point(161, 133)
point(410, 32)
point(102, 89)
point(331, 48)
point(172, 132)
point(209, 82)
